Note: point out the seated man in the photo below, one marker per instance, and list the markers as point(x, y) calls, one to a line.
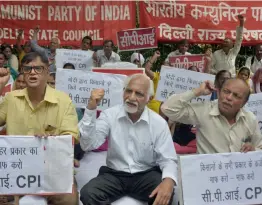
point(38, 110)
point(223, 125)
point(141, 159)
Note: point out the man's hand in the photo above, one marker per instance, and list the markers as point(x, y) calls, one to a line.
point(241, 20)
point(20, 32)
point(157, 54)
point(163, 192)
point(4, 77)
point(247, 147)
point(37, 29)
point(206, 88)
point(95, 98)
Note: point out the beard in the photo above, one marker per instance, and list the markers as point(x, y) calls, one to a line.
point(130, 109)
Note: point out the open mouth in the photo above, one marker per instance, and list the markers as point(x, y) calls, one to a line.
point(32, 79)
point(131, 104)
point(226, 105)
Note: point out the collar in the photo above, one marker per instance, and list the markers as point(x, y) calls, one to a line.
point(144, 116)
point(113, 54)
point(215, 111)
point(50, 94)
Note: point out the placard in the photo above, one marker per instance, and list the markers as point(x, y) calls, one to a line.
point(79, 84)
point(136, 39)
point(254, 105)
point(186, 61)
point(222, 179)
point(30, 165)
point(175, 81)
point(82, 60)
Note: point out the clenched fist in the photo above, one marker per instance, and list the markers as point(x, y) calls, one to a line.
point(4, 77)
point(95, 98)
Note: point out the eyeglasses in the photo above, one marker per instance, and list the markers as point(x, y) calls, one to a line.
point(37, 69)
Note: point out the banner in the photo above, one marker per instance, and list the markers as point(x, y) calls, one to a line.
point(222, 179)
point(125, 71)
point(202, 21)
point(29, 165)
point(186, 61)
point(254, 105)
point(70, 21)
point(175, 80)
point(82, 60)
point(136, 39)
point(79, 84)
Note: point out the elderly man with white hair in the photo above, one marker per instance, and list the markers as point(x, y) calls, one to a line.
point(141, 160)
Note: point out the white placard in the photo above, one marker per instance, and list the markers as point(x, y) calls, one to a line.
point(29, 165)
point(79, 84)
point(222, 179)
point(175, 81)
point(254, 105)
point(82, 60)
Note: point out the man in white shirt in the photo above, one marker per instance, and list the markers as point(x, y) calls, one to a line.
point(183, 47)
point(141, 159)
point(224, 59)
point(223, 125)
point(106, 55)
point(255, 62)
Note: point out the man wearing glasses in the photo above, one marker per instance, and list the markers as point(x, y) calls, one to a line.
point(38, 110)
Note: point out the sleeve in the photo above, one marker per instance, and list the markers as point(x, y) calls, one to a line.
point(93, 132)
point(3, 109)
point(36, 47)
point(14, 62)
point(178, 108)
point(248, 62)
point(213, 64)
point(166, 154)
point(117, 58)
point(69, 123)
point(239, 39)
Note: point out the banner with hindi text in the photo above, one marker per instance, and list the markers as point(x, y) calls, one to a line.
point(202, 21)
point(70, 21)
point(136, 39)
point(175, 81)
point(222, 179)
point(29, 165)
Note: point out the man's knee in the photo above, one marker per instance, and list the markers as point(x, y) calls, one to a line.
point(89, 192)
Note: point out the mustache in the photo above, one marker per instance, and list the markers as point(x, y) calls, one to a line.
point(132, 103)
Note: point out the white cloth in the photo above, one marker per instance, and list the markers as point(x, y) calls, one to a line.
point(133, 147)
point(135, 56)
point(121, 65)
point(221, 61)
point(175, 53)
point(102, 59)
point(256, 64)
point(32, 200)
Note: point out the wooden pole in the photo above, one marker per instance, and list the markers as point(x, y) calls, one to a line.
point(16, 200)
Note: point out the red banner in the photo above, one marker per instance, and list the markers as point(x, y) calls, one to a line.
point(187, 61)
point(70, 21)
point(202, 21)
point(121, 71)
point(136, 39)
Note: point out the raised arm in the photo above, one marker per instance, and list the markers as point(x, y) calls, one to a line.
point(239, 35)
point(18, 41)
point(34, 45)
point(149, 64)
point(93, 132)
point(178, 107)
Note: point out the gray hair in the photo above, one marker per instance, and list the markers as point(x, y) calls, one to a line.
point(150, 91)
